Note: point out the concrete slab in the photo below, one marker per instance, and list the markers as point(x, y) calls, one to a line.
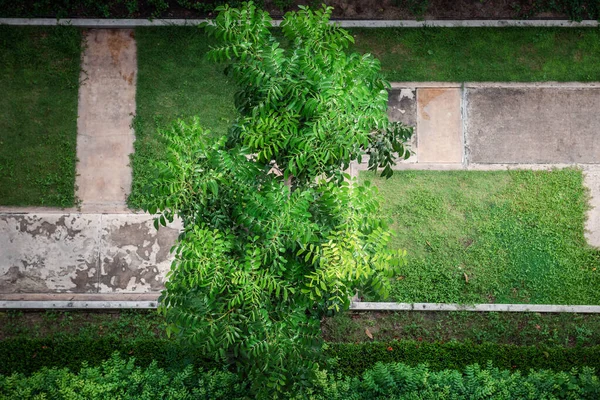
point(533, 125)
point(592, 226)
point(135, 257)
point(49, 253)
point(402, 107)
point(84, 253)
point(439, 125)
point(106, 109)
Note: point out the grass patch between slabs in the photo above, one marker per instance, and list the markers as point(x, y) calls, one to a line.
point(491, 237)
point(39, 76)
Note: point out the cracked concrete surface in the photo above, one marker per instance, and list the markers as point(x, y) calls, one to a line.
point(84, 253)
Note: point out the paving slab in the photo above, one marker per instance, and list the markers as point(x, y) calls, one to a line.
point(439, 125)
point(592, 226)
point(533, 125)
point(84, 253)
point(106, 109)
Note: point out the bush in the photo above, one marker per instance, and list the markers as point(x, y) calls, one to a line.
point(121, 378)
point(30, 355)
point(354, 359)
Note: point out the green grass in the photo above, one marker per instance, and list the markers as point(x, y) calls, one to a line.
point(174, 81)
point(39, 77)
point(484, 54)
point(498, 237)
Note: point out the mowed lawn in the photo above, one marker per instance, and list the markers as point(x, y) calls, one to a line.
point(484, 54)
point(39, 81)
point(491, 237)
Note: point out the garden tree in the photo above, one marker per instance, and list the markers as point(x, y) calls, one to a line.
point(274, 235)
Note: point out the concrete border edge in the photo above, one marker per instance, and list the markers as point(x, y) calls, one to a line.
point(134, 23)
point(76, 305)
point(539, 308)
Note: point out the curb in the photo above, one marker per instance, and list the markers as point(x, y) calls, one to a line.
point(354, 306)
point(539, 308)
point(133, 23)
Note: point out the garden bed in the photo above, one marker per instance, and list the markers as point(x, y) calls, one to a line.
point(39, 76)
point(491, 237)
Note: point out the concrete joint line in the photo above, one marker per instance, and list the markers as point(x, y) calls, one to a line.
point(133, 23)
point(539, 308)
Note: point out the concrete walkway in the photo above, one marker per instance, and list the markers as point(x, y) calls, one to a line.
point(105, 114)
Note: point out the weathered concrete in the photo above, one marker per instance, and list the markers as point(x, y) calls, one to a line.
point(83, 253)
point(592, 225)
point(402, 107)
point(533, 125)
point(132, 23)
point(106, 108)
point(439, 126)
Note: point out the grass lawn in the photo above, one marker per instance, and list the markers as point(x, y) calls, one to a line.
point(484, 54)
point(497, 237)
point(174, 81)
point(39, 77)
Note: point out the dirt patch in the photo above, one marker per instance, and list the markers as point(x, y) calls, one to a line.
point(116, 44)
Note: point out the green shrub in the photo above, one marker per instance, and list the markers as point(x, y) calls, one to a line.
point(30, 355)
point(354, 359)
point(121, 378)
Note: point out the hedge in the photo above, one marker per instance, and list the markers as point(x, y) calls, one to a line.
point(120, 378)
point(30, 355)
point(354, 359)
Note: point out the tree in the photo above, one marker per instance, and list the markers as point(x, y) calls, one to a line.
point(274, 234)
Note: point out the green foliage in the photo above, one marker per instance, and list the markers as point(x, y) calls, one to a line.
point(309, 109)
point(274, 237)
point(121, 378)
point(27, 356)
point(353, 359)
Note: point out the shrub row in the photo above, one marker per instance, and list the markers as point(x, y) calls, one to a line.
point(120, 378)
point(354, 359)
point(29, 355)
point(574, 9)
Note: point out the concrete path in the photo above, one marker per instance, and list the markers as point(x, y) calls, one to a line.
point(106, 109)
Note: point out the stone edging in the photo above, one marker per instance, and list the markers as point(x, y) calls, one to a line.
point(150, 302)
point(540, 308)
point(133, 23)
